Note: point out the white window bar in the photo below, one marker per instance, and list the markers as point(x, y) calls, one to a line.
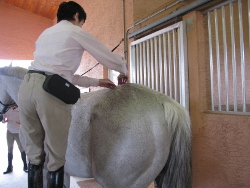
point(233, 58)
point(183, 68)
point(144, 63)
point(165, 64)
point(170, 65)
point(162, 62)
point(132, 66)
point(225, 57)
point(140, 74)
point(137, 65)
point(148, 65)
point(211, 62)
point(152, 64)
point(175, 66)
point(156, 70)
point(243, 78)
point(218, 59)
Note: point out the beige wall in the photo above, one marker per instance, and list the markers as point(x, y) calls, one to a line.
point(19, 31)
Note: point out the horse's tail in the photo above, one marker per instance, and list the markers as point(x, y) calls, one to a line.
point(177, 170)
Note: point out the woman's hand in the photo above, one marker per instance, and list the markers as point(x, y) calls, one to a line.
point(5, 119)
point(122, 79)
point(106, 83)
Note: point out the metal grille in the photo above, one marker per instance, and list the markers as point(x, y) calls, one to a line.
point(159, 62)
point(228, 36)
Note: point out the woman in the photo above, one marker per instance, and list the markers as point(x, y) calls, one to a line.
point(11, 117)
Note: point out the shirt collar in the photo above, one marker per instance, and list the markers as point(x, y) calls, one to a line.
point(65, 22)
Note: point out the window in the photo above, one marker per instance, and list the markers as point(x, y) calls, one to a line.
point(159, 62)
point(228, 41)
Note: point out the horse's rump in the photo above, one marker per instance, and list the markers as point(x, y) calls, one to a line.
point(131, 129)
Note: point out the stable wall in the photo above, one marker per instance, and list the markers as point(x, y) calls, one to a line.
point(220, 141)
point(19, 31)
point(220, 144)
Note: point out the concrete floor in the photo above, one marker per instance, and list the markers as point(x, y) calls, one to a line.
point(17, 178)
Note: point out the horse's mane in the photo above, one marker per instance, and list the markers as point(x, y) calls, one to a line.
point(17, 72)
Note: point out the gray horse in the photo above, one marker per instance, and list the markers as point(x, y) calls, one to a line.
point(124, 138)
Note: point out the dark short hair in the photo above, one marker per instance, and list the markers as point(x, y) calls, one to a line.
point(67, 10)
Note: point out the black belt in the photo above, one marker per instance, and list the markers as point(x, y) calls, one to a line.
point(38, 72)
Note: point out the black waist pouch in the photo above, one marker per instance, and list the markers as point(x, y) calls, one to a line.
point(61, 88)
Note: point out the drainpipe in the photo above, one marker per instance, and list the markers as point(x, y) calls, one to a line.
point(175, 14)
point(124, 27)
point(170, 16)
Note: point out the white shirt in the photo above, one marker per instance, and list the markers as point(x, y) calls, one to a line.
point(59, 50)
point(13, 122)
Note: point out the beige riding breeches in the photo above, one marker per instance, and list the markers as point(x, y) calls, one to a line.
point(11, 137)
point(45, 122)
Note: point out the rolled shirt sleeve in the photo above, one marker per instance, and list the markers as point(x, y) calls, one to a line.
point(100, 52)
point(84, 81)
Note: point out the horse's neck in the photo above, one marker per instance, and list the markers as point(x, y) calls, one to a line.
point(12, 86)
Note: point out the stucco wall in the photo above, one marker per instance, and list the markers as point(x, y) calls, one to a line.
point(19, 31)
point(220, 141)
point(221, 152)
